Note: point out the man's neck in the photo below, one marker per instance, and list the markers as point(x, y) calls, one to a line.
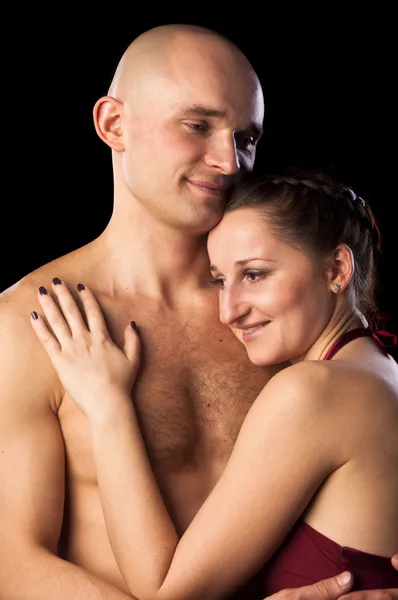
point(158, 261)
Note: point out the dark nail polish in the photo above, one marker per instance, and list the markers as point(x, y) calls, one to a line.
point(57, 281)
point(80, 287)
point(133, 325)
point(43, 290)
point(34, 315)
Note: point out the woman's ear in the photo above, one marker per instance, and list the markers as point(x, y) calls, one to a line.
point(107, 121)
point(341, 268)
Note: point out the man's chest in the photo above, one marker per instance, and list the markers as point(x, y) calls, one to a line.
point(192, 393)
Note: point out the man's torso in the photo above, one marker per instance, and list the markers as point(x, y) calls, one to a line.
point(193, 391)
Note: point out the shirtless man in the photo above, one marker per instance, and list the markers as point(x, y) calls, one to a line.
point(182, 119)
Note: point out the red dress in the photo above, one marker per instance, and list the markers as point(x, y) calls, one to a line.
point(307, 556)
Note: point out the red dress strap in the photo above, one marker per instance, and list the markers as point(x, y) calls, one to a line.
point(384, 338)
point(346, 338)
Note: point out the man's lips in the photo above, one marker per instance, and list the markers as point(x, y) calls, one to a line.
point(209, 186)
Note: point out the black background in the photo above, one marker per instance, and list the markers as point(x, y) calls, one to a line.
point(328, 76)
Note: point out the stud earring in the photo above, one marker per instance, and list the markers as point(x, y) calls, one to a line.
point(336, 287)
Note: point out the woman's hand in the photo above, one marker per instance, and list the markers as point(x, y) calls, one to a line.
point(96, 373)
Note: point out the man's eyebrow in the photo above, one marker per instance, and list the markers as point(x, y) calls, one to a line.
point(196, 110)
point(200, 111)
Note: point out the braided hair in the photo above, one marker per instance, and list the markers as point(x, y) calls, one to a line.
point(316, 213)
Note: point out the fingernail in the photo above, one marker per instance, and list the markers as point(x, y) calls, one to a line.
point(344, 579)
point(395, 561)
point(34, 315)
point(80, 287)
point(134, 325)
point(43, 290)
point(57, 281)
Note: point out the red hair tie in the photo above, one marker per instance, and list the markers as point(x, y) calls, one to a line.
point(385, 338)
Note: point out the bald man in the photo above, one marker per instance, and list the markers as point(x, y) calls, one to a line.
point(182, 119)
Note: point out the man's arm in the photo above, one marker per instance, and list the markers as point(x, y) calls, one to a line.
point(32, 477)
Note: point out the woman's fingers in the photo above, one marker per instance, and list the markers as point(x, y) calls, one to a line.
point(69, 328)
point(66, 319)
point(71, 312)
point(94, 315)
point(54, 316)
point(44, 335)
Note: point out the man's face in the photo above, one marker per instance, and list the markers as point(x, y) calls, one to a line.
point(190, 133)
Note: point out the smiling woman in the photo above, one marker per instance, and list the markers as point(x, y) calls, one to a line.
point(286, 241)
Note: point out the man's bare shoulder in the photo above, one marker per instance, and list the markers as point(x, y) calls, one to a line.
point(20, 297)
point(24, 365)
point(70, 267)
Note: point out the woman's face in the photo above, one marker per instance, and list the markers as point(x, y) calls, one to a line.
point(274, 297)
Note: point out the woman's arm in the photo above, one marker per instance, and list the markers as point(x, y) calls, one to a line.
point(281, 457)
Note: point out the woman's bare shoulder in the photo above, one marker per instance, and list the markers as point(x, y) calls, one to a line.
point(329, 384)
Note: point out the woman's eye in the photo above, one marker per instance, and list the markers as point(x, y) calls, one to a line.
point(254, 275)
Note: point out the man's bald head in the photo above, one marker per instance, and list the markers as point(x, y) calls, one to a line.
point(160, 51)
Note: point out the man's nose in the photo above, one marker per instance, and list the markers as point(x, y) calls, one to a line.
point(223, 156)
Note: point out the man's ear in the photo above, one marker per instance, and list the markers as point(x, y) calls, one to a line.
point(107, 122)
point(341, 268)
